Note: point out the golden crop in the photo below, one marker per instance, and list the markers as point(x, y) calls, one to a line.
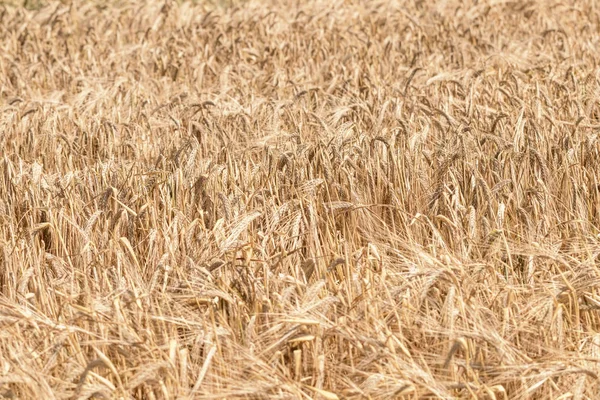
point(300, 199)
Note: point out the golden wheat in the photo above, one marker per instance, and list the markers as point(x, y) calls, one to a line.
point(282, 199)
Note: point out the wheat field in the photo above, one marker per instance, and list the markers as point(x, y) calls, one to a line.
point(286, 199)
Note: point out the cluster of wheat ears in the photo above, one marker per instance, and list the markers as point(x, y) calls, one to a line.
point(300, 200)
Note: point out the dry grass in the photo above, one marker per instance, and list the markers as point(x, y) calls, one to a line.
point(300, 200)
